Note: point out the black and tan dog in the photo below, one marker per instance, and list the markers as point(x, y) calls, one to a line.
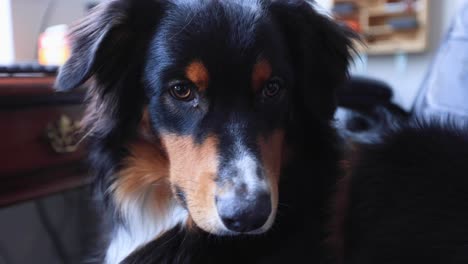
point(209, 126)
point(211, 141)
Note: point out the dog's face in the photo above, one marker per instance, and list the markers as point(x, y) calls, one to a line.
point(219, 105)
point(219, 83)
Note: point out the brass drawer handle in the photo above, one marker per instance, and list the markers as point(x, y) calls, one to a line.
point(63, 135)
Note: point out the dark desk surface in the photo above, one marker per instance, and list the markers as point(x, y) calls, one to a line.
point(39, 154)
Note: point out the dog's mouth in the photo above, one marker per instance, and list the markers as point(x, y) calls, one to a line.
point(251, 214)
point(238, 196)
point(228, 208)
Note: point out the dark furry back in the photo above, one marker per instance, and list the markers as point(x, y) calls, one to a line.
point(409, 198)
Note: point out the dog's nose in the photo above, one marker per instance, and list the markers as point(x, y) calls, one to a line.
point(244, 213)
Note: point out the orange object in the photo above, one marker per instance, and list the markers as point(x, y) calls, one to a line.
point(353, 24)
point(53, 46)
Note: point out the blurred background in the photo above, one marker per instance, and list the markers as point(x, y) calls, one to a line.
point(414, 61)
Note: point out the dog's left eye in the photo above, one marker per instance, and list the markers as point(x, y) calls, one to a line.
point(272, 88)
point(182, 91)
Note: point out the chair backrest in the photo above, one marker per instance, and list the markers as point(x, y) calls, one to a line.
point(444, 91)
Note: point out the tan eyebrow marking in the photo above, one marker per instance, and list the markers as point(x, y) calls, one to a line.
point(197, 73)
point(261, 72)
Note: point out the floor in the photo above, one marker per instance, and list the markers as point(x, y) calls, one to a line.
point(53, 230)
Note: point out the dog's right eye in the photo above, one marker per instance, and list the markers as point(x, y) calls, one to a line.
point(182, 91)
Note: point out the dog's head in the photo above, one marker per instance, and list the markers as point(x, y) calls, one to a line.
point(218, 84)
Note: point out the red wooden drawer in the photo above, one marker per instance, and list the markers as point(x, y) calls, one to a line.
point(25, 146)
point(31, 119)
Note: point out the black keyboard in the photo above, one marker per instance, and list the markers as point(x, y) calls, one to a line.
point(27, 70)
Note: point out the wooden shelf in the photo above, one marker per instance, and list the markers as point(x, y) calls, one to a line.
point(387, 26)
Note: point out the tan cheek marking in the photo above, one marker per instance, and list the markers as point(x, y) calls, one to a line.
point(261, 73)
point(145, 167)
point(197, 73)
point(193, 168)
point(271, 149)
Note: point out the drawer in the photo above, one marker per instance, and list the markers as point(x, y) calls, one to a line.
point(38, 151)
point(37, 138)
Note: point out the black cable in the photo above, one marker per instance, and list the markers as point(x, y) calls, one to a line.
point(43, 22)
point(53, 235)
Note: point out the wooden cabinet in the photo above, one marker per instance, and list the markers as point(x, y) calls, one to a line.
point(40, 152)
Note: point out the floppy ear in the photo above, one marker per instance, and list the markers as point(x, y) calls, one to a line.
point(109, 47)
point(320, 51)
point(106, 39)
point(91, 38)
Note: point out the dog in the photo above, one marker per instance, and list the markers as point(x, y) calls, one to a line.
point(210, 127)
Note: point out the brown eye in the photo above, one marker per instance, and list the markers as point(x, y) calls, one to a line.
point(272, 88)
point(183, 92)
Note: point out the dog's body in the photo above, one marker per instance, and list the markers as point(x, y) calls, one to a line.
point(406, 197)
point(204, 120)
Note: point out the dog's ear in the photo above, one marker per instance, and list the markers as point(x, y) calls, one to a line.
point(104, 42)
point(109, 47)
point(321, 51)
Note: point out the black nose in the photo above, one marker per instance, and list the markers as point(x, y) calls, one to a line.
point(244, 214)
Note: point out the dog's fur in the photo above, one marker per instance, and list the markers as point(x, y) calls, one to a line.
point(162, 164)
point(404, 198)
point(165, 166)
